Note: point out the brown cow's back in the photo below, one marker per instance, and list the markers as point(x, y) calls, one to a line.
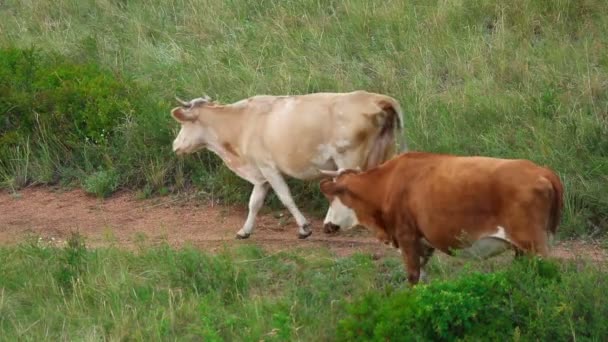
point(450, 199)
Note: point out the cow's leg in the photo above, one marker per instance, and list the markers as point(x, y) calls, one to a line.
point(425, 255)
point(256, 200)
point(282, 190)
point(531, 237)
point(537, 245)
point(409, 251)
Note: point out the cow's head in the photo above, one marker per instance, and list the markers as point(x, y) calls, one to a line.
point(193, 134)
point(341, 213)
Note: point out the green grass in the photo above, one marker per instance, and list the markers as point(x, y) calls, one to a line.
point(247, 294)
point(528, 79)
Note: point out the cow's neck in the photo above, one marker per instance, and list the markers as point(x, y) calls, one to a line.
point(371, 198)
point(224, 126)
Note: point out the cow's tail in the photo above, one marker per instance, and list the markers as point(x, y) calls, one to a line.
point(383, 147)
point(555, 213)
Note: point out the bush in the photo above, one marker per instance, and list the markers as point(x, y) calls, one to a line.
point(529, 299)
point(101, 183)
point(64, 114)
point(79, 101)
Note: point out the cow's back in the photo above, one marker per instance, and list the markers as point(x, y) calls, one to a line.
point(447, 195)
point(298, 132)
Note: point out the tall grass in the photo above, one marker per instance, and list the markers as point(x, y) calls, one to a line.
point(247, 294)
point(527, 79)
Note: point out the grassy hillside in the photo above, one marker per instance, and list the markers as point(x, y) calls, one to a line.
point(245, 294)
point(528, 79)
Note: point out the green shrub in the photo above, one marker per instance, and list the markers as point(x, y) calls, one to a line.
point(80, 101)
point(529, 297)
point(101, 183)
point(440, 311)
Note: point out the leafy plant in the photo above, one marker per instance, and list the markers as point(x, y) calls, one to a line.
point(102, 183)
point(476, 305)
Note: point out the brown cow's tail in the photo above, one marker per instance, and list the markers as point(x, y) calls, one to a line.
point(383, 148)
point(558, 202)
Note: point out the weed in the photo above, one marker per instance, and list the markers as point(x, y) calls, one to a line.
point(72, 262)
point(102, 183)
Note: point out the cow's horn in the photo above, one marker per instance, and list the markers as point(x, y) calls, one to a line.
point(182, 102)
point(330, 173)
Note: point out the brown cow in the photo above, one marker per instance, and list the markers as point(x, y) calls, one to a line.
point(420, 202)
point(264, 138)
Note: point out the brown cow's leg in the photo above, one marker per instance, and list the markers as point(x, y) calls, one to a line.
point(535, 245)
point(409, 250)
point(425, 253)
point(529, 220)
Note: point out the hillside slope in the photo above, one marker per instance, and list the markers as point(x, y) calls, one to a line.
point(91, 104)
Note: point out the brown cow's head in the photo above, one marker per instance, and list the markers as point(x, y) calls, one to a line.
point(192, 135)
point(340, 214)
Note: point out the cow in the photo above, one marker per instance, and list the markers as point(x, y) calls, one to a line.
point(474, 206)
point(265, 137)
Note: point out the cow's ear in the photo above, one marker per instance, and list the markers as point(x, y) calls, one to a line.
point(330, 188)
point(182, 115)
point(327, 186)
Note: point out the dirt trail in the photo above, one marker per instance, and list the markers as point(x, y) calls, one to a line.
point(124, 220)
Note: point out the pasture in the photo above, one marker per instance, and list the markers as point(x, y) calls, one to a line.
point(106, 234)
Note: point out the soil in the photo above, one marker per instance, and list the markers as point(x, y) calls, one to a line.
point(126, 221)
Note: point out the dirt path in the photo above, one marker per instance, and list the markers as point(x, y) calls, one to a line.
point(125, 220)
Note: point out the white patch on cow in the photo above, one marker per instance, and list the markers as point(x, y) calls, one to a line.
point(341, 215)
point(488, 246)
point(500, 234)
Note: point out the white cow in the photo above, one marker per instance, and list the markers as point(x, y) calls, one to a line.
point(263, 138)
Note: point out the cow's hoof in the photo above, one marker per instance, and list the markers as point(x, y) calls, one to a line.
point(304, 236)
point(308, 231)
point(330, 228)
point(242, 237)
